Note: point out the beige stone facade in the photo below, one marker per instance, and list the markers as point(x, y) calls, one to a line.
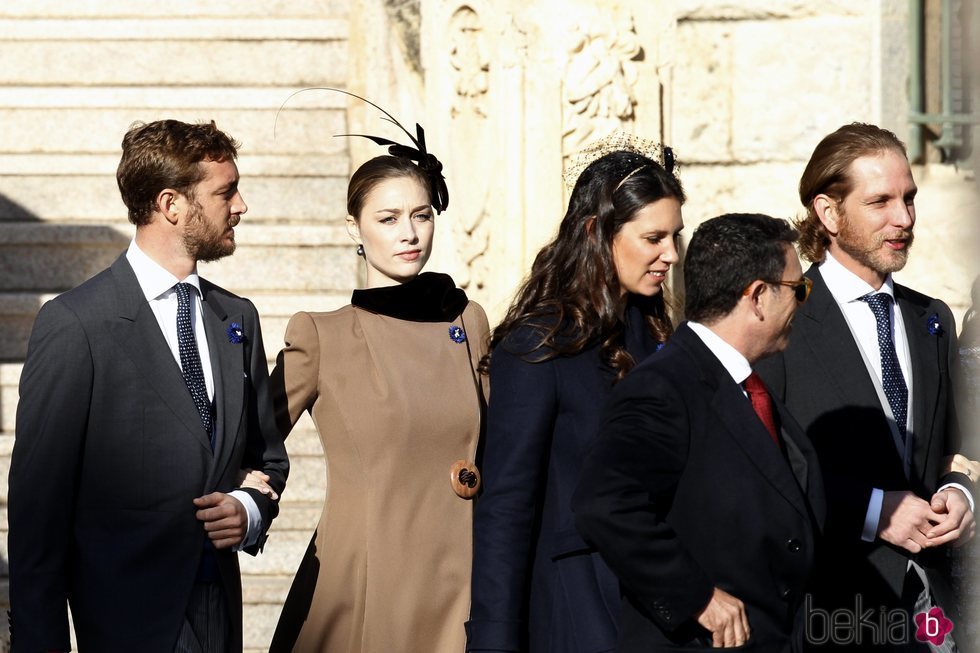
point(506, 89)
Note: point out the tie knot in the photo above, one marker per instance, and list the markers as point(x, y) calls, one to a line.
point(183, 291)
point(754, 385)
point(878, 301)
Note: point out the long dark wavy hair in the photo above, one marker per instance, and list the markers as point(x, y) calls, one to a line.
point(572, 295)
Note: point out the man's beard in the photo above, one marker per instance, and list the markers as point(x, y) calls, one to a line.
point(202, 241)
point(869, 251)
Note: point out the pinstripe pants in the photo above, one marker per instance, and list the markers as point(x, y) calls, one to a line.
point(205, 628)
point(923, 603)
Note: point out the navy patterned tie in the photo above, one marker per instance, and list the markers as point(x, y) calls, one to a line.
point(892, 380)
point(190, 358)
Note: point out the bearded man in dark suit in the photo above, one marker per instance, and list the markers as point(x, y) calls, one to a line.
point(143, 397)
point(701, 493)
point(867, 375)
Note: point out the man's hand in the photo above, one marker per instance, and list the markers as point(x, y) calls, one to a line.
point(905, 520)
point(957, 525)
point(224, 517)
point(724, 617)
point(255, 479)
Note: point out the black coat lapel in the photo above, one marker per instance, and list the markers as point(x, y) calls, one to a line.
point(227, 366)
point(924, 353)
point(738, 419)
point(140, 336)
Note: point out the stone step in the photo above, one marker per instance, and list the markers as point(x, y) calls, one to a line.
point(177, 62)
point(175, 97)
point(72, 130)
point(54, 257)
point(170, 28)
point(303, 444)
point(18, 310)
point(95, 199)
point(9, 378)
point(157, 9)
point(252, 166)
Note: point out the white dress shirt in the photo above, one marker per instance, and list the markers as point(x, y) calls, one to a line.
point(157, 285)
point(847, 289)
point(730, 358)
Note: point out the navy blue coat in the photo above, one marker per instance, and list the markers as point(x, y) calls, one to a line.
point(537, 586)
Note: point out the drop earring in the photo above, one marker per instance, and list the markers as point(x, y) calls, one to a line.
point(360, 250)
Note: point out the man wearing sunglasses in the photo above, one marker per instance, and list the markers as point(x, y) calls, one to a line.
point(701, 493)
point(867, 374)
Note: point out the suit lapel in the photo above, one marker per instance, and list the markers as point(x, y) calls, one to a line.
point(924, 356)
point(738, 419)
point(227, 365)
point(140, 336)
point(833, 346)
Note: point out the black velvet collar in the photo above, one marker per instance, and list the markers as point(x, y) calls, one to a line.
point(429, 297)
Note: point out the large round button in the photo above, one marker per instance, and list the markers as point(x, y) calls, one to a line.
point(794, 546)
point(465, 478)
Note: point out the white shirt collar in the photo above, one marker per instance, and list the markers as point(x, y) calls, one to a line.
point(846, 286)
point(734, 362)
point(154, 280)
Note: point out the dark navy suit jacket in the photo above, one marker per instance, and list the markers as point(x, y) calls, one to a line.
point(537, 586)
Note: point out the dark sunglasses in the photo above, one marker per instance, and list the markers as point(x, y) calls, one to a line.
point(800, 288)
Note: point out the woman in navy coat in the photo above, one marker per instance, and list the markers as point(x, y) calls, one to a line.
point(591, 308)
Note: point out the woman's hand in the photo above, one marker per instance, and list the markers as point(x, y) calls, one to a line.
point(963, 465)
point(257, 480)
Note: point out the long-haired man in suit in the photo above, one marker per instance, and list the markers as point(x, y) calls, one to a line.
point(143, 397)
point(701, 493)
point(867, 375)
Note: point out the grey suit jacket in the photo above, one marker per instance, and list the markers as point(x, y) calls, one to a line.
point(108, 455)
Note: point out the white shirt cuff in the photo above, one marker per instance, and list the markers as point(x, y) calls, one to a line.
point(873, 515)
point(969, 496)
point(254, 529)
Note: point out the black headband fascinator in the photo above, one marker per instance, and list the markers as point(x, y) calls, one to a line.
point(425, 160)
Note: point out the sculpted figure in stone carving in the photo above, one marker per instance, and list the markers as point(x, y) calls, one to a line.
point(599, 82)
point(468, 57)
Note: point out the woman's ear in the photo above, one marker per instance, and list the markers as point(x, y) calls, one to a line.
point(353, 230)
point(590, 225)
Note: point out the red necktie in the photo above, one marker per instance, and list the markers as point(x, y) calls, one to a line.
point(762, 404)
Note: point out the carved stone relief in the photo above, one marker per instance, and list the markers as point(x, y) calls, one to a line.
point(600, 77)
point(469, 59)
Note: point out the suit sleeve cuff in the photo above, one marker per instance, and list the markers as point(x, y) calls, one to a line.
point(873, 516)
point(254, 529)
point(961, 488)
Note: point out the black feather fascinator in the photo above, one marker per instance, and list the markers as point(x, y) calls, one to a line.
point(425, 160)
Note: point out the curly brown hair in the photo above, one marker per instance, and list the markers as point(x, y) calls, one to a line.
point(166, 154)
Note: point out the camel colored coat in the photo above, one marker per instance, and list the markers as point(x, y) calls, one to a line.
point(396, 404)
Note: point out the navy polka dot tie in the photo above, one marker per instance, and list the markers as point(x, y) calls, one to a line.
point(892, 380)
point(190, 358)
